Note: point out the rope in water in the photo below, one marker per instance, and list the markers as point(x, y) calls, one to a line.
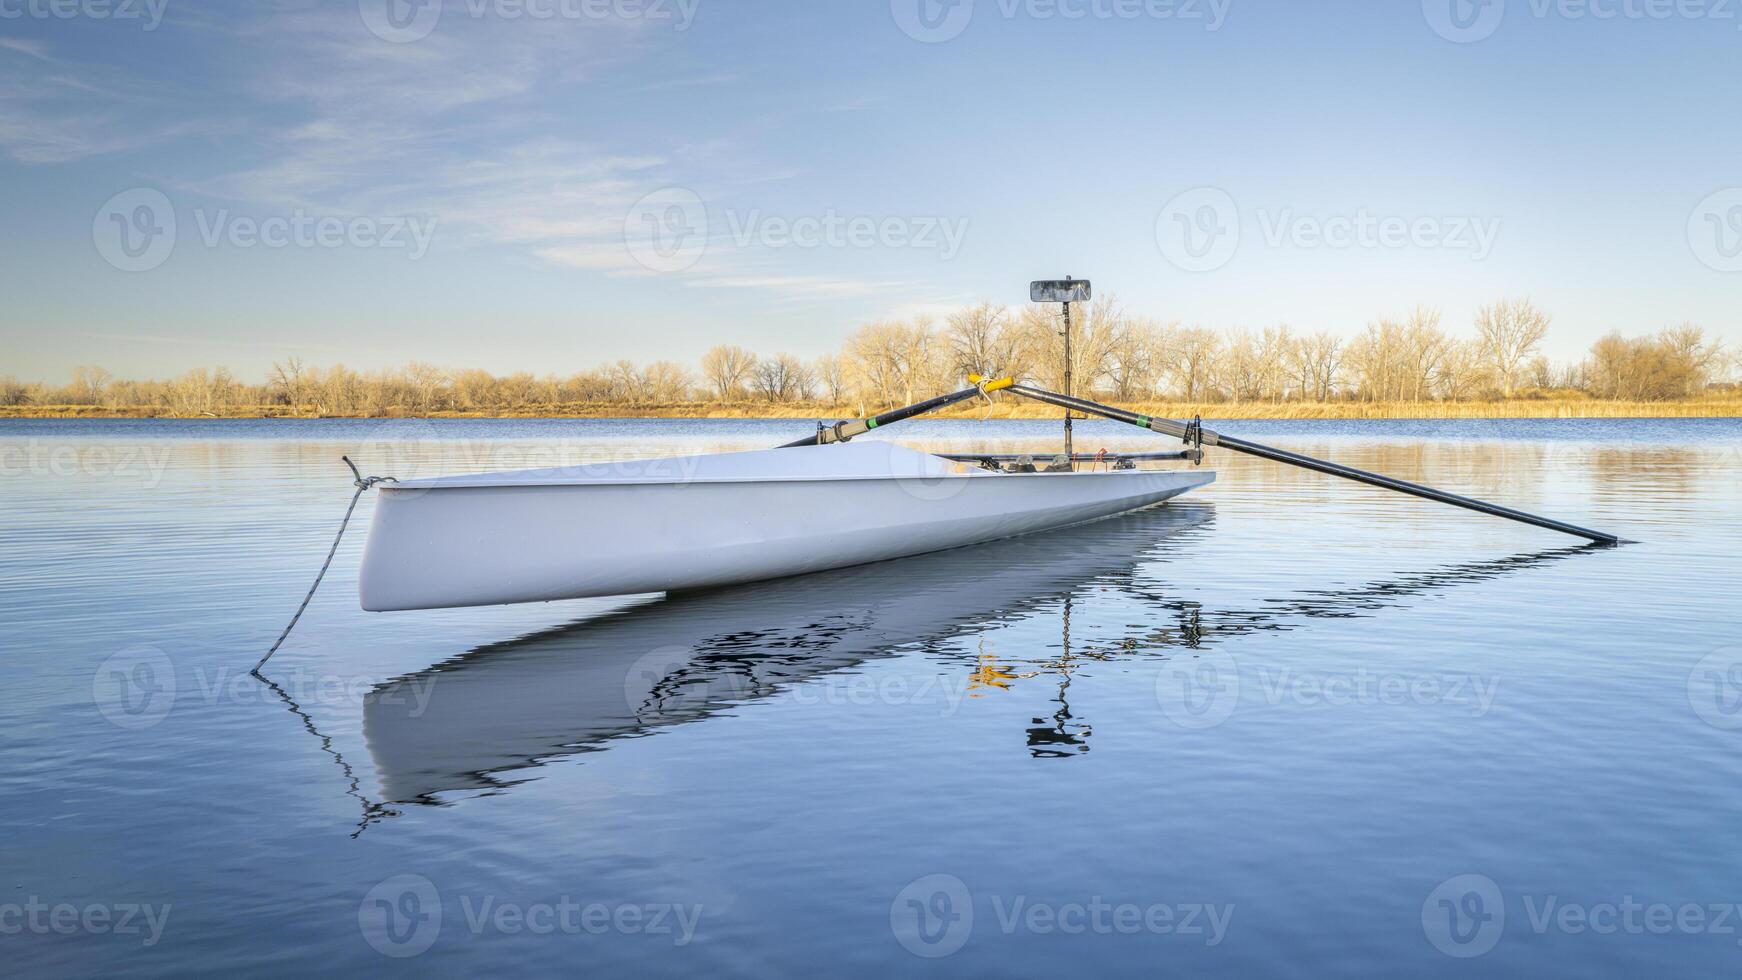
point(362, 484)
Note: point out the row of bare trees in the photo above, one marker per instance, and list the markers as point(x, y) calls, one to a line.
point(1411, 357)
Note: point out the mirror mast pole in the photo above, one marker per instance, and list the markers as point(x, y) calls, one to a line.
point(1070, 453)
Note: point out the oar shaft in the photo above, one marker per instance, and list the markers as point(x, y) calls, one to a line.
point(1179, 429)
point(1413, 489)
point(843, 431)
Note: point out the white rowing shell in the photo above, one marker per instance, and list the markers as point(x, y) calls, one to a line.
point(697, 522)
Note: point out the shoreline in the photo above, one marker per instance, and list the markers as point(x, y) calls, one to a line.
point(1006, 409)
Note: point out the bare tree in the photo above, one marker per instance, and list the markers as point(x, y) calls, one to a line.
point(668, 382)
point(1424, 347)
point(1462, 373)
point(1134, 362)
point(89, 385)
point(830, 376)
point(1192, 366)
point(1510, 331)
point(981, 340)
point(1315, 362)
point(727, 370)
point(783, 378)
point(288, 377)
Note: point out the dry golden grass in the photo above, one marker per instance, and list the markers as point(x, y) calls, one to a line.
point(1009, 407)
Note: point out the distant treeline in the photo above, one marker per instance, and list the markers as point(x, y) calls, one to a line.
point(1116, 356)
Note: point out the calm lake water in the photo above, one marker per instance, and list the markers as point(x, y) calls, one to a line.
point(1282, 727)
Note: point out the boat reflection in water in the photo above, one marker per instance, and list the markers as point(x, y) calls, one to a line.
point(474, 722)
point(466, 724)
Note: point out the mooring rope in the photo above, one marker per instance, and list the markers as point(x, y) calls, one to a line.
point(363, 484)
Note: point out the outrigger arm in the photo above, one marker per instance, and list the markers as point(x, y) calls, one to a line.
point(846, 430)
point(1196, 435)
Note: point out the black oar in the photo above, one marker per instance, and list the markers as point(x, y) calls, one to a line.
point(1197, 434)
point(843, 431)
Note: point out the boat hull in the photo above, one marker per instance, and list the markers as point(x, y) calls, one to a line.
point(476, 545)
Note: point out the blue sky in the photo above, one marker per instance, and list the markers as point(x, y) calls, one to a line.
point(492, 183)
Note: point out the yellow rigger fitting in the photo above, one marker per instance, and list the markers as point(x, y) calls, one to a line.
point(987, 385)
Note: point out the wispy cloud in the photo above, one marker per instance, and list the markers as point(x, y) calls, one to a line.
point(35, 49)
point(69, 113)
